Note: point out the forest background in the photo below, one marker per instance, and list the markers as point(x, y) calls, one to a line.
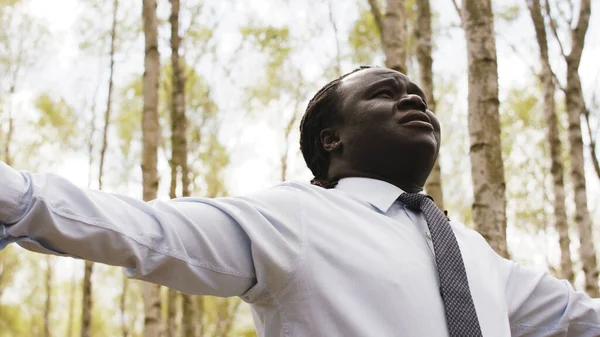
point(217, 114)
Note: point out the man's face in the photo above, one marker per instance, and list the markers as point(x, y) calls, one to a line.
point(384, 121)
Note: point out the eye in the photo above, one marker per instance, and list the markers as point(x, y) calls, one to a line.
point(384, 94)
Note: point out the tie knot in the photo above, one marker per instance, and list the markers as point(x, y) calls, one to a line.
point(414, 200)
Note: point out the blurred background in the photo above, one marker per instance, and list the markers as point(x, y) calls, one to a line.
point(217, 113)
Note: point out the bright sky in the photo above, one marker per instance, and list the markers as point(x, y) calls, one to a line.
point(256, 144)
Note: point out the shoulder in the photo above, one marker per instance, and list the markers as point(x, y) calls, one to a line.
point(469, 236)
point(286, 194)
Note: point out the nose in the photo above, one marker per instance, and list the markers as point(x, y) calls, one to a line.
point(411, 101)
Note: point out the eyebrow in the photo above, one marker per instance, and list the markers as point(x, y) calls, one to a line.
point(383, 82)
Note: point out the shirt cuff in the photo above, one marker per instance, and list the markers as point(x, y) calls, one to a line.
point(13, 190)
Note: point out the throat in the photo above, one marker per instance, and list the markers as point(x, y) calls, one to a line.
point(408, 184)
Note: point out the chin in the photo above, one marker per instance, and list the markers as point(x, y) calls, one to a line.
point(421, 155)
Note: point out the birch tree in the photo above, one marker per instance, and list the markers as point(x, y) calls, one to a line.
point(392, 29)
point(48, 301)
point(57, 124)
point(18, 52)
point(150, 139)
point(433, 186)
point(87, 298)
point(554, 142)
point(576, 109)
point(178, 164)
point(487, 167)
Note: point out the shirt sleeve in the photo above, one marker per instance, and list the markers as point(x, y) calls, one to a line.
point(541, 305)
point(242, 246)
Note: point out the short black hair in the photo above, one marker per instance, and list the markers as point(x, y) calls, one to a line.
point(321, 112)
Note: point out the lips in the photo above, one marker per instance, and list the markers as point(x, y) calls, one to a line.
point(416, 118)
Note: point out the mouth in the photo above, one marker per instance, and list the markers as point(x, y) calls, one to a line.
point(416, 119)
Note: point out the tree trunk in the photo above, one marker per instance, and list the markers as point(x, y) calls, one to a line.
point(86, 301)
point(433, 186)
point(200, 315)
point(123, 307)
point(487, 168)
point(286, 134)
point(338, 53)
point(48, 303)
point(554, 143)
point(392, 29)
point(73, 291)
point(150, 138)
point(171, 328)
point(394, 36)
point(228, 325)
point(7, 155)
point(113, 36)
point(8, 159)
point(189, 316)
point(575, 107)
point(592, 146)
point(179, 163)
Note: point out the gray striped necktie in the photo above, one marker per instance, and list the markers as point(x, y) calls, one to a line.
point(461, 316)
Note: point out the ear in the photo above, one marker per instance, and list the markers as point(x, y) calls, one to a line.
point(330, 139)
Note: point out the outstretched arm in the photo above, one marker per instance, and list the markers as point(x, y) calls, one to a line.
point(195, 245)
point(541, 305)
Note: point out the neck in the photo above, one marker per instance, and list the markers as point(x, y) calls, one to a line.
point(407, 183)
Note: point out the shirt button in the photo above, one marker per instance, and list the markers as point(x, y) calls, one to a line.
point(428, 235)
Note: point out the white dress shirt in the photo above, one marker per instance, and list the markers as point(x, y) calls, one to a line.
point(345, 262)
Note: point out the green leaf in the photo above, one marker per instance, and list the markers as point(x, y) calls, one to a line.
point(364, 38)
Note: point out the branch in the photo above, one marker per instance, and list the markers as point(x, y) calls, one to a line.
point(194, 15)
point(554, 30)
point(377, 15)
point(569, 18)
point(516, 51)
point(578, 32)
point(562, 14)
point(592, 147)
point(593, 150)
point(556, 81)
point(458, 9)
point(337, 42)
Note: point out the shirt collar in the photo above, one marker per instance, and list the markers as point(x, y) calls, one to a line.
point(378, 193)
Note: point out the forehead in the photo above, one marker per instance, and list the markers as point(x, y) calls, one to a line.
point(365, 77)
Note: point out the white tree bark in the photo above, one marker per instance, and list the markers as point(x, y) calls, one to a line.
point(487, 168)
point(150, 137)
point(575, 107)
point(48, 302)
point(433, 186)
point(392, 29)
point(554, 142)
point(394, 36)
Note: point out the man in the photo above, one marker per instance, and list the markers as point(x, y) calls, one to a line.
point(357, 253)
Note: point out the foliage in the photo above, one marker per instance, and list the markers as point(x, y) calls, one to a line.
point(18, 54)
point(509, 13)
point(58, 119)
point(275, 44)
point(524, 151)
point(364, 38)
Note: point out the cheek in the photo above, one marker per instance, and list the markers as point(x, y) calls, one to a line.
point(373, 114)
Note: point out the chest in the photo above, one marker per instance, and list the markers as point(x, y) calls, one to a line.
point(388, 253)
point(383, 264)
